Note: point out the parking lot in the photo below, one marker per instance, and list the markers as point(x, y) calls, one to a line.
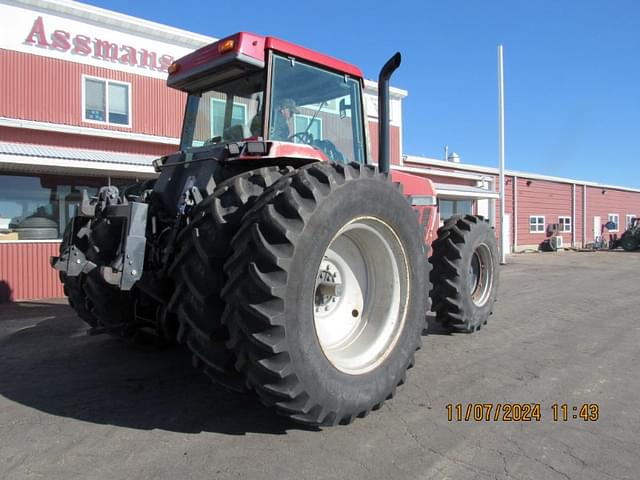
point(566, 330)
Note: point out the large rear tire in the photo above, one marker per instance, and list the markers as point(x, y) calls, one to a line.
point(325, 293)
point(203, 246)
point(465, 272)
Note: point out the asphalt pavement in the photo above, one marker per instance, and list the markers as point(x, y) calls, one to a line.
point(566, 330)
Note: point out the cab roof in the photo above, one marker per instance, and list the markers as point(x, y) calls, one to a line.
point(303, 53)
point(250, 49)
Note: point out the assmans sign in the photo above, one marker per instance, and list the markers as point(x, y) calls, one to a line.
point(98, 48)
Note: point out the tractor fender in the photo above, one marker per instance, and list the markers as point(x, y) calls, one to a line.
point(421, 194)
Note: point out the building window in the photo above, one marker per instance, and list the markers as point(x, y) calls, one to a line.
point(301, 124)
point(38, 207)
point(614, 218)
point(238, 117)
point(627, 222)
point(106, 101)
point(536, 224)
point(565, 224)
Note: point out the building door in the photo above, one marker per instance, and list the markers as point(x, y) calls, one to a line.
point(597, 226)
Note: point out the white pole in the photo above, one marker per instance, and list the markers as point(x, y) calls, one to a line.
point(514, 214)
point(584, 216)
point(573, 215)
point(503, 236)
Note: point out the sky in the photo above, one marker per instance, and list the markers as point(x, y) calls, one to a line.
point(572, 71)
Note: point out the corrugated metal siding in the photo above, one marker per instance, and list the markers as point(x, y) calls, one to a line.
point(40, 137)
point(508, 207)
point(545, 198)
point(394, 141)
point(451, 180)
point(578, 220)
point(24, 267)
point(612, 201)
point(50, 90)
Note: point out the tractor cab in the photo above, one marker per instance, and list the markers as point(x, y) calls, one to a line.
point(251, 88)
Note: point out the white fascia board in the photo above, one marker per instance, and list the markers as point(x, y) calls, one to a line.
point(93, 132)
point(25, 163)
point(494, 171)
point(434, 162)
point(119, 21)
point(461, 192)
point(440, 173)
point(372, 88)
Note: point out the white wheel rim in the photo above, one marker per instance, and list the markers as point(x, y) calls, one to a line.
point(481, 275)
point(361, 295)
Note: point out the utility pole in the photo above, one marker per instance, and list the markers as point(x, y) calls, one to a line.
point(503, 230)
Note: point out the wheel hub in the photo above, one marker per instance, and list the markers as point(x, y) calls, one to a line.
point(328, 287)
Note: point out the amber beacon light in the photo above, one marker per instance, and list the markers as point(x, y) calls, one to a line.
point(173, 68)
point(226, 45)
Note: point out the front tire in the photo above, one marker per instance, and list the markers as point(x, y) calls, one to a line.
point(324, 299)
point(465, 272)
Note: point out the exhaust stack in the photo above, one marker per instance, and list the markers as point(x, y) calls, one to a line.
point(383, 111)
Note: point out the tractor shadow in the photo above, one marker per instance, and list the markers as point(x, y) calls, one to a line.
point(47, 362)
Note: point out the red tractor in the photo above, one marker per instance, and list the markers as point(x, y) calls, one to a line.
point(272, 246)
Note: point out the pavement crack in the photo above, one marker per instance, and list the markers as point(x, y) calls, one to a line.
point(505, 470)
point(551, 467)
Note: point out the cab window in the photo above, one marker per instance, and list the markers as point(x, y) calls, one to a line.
point(316, 107)
point(230, 112)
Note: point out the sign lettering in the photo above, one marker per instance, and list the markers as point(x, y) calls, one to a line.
point(99, 48)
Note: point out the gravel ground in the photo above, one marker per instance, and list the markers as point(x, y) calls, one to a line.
point(566, 329)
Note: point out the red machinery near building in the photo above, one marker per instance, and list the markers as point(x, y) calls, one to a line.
point(285, 260)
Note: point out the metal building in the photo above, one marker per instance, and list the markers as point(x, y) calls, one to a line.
point(83, 102)
point(537, 206)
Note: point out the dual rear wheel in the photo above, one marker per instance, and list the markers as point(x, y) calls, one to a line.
point(325, 278)
point(311, 286)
